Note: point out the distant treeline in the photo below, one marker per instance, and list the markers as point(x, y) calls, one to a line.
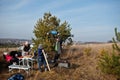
point(8, 45)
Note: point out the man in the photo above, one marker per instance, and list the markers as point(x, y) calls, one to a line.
point(57, 50)
point(26, 49)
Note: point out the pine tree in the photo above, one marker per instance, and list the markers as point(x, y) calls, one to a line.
point(111, 63)
point(47, 24)
point(117, 34)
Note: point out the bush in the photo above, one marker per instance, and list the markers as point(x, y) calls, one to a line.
point(87, 51)
point(110, 64)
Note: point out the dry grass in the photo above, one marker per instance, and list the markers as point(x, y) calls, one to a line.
point(6, 50)
point(83, 67)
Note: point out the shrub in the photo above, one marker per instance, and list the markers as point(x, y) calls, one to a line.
point(87, 51)
point(110, 64)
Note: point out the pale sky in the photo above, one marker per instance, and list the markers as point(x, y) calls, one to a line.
point(90, 20)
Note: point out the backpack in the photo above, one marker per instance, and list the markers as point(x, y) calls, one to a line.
point(17, 76)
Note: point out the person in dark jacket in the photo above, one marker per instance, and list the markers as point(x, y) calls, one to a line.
point(14, 55)
point(26, 49)
point(41, 59)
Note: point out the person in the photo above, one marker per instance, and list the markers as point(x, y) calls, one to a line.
point(26, 49)
point(41, 59)
point(35, 55)
point(20, 50)
point(10, 59)
point(14, 55)
point(57, 50)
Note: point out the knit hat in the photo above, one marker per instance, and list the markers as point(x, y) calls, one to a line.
point(40, 46)
point(5, 53)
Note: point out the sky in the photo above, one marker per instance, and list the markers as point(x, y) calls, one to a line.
point(90, 20)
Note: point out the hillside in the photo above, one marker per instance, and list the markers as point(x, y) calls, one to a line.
point(84, 66)
point(12, 41)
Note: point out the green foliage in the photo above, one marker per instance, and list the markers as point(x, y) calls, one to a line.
point(115, 46)
point(10, 45)
point(110, 64)
point(44, 26)
point(87, 51)
point(117, 35)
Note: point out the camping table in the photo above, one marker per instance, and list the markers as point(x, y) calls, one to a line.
point(25, 64)
point(26, 60)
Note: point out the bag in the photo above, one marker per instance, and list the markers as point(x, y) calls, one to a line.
point(64, 63)
point(17, 76)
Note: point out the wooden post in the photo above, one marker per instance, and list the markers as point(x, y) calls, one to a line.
point(46, 60)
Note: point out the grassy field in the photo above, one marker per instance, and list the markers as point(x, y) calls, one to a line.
point(84, 65)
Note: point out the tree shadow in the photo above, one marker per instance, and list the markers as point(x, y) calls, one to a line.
point(74, 66)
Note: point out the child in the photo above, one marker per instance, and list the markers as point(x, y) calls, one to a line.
point(41, 59)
